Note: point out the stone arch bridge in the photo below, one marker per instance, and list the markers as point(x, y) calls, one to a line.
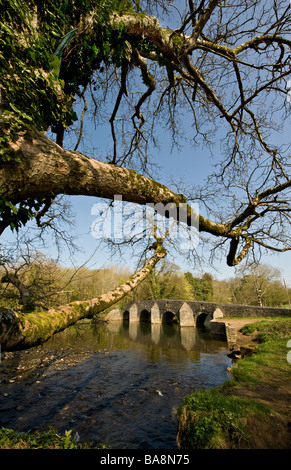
point(186, 312)
point(167, 311)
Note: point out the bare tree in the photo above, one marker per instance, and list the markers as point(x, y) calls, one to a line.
point(222, 63)
point(256, 283)
point(36, 278)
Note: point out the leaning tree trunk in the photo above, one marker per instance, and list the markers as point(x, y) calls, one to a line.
point(41, 168)
point(22, 331)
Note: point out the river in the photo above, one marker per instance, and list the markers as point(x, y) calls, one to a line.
point(117, 383)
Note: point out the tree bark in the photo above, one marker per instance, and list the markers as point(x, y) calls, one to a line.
point(23, 331)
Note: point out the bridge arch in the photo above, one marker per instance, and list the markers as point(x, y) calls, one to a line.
point(169, 317)
point(126, 315)
point(200, 319)
point(145, 316)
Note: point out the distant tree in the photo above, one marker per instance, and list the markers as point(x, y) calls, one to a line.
point(276, 295)
point(30, 280)
point(222, 291)
point(207, 286)
point(84, 283)
point(202, 288)
point(166, 281)
point(259, 285)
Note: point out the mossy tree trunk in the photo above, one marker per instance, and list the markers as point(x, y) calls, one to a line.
point(22, 331)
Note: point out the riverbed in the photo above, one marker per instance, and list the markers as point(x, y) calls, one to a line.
point(118, 384)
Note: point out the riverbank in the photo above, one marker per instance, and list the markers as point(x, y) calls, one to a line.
point(252, 410)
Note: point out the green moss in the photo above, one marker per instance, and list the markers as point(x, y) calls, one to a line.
point(80, 308)
point(179, 41)
point(134, 14)
point(37, 327)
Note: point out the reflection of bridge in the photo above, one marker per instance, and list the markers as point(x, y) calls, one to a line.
point(186, 312)
point(171, 338)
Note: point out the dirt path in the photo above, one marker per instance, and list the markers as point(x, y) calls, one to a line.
point(238, 323)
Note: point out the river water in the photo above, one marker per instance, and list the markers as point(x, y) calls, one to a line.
point(117, 383)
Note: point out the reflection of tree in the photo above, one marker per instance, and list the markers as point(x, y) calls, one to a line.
point(167, 340)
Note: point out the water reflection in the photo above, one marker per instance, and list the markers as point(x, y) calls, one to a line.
point(122, 335)
point(116, 383)
point(168, 336)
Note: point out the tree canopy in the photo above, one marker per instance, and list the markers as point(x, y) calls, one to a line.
point(224, 65)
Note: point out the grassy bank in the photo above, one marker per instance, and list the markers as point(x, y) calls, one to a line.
point(252, 409)
point(51, 439)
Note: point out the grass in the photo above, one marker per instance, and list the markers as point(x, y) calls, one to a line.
point(268, 364)
point(209, 420)
point(218, 418)
point(51, 439)
point(269, 330)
